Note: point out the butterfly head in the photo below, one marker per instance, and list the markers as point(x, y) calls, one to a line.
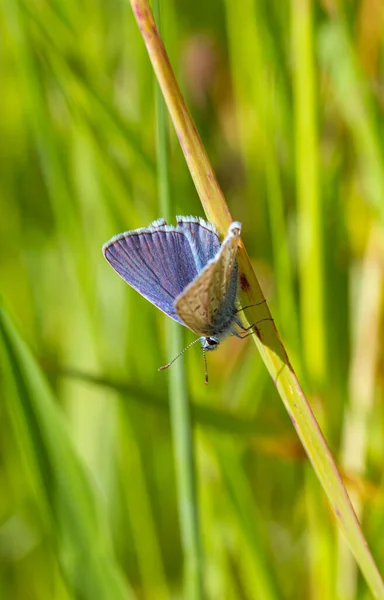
point(210, 343)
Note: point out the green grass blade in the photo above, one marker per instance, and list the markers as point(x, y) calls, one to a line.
point(137, 499)
point(74, 520)
point(244, 511)
point(310, 222)
point(356, 107)
point(356, 431)
point(310, 254)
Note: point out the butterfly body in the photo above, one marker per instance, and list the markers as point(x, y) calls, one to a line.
point(185, 271)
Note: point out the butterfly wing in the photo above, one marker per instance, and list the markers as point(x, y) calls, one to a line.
point(203, 236)
point(207, 304)
point(157, 262)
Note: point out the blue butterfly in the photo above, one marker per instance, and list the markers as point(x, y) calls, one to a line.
point(186, 272)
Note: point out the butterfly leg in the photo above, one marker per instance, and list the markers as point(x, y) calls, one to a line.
point(242, 337)
point(247, 329)
point(250, 306)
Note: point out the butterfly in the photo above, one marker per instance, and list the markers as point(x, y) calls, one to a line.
point(186, 272)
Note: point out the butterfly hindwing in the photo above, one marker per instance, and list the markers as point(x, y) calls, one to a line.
point(203, 236)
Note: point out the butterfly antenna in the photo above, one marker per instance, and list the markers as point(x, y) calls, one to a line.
point(205, 366)
point(180, 353)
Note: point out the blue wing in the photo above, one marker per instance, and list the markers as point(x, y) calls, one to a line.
point(158, 262)
point(204, 239)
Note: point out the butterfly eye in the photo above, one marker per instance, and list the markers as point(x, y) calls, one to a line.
point(211, 341)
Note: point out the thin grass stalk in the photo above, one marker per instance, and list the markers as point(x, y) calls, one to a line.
point(181, 419)
point(267, 338)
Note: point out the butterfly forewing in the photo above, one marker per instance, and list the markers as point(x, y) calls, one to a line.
point(207, 304)
point(157, 262)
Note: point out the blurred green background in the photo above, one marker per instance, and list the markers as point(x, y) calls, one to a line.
point(288, 97)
